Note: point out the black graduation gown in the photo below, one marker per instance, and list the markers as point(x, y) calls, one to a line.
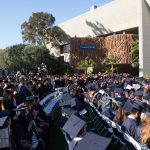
point(130, 126)
point(1, 91)
point(8, 104)
point(19, 131)
point(138, 134)
point(108, 112)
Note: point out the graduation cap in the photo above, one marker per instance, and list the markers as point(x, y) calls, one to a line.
point(110, 85)
point(118, 90)
point(71, 102)
point(73, 126)
point(29, 82)
point(30, 98)
point(70, 87)
point(2, 98)
point(9, 86)
point(135, 106)
point(36, 97)
point(83, 112)
point(66, 97)
point(90, 85)
point(119, 101)
point(136, 86)
point(102, 92)
point(138, 93)
point(68, 111)
point(91, 89)
point(128, 80)
point(92, 141)
point(39, 79)
point(127, 107)
point(19, 110)
point(2, 121)
point(129, 87)
point(130, 107)
point(142, 105)
point(35, 78)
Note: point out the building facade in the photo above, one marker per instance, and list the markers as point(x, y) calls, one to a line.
point(119, 16)
point(99, 48)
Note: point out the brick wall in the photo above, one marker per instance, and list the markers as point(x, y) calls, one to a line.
point(117, 44)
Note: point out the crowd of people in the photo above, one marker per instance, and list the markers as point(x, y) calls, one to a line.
point(121, 97)
point(19, 100)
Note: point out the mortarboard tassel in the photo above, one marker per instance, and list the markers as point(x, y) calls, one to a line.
point(2, 106)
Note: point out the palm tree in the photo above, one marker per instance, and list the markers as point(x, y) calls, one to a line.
point(85, 63)
point(135, 53)
point(111, 60)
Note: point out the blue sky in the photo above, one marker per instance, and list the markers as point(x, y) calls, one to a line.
point(14, 12)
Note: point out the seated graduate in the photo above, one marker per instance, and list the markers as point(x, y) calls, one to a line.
point(119, 115)
point(32, 116)
point(107, 109)
point(143, 131)
point(90, 94)
point(74, 94)
point(9, 101)
point(80, 94)
point(108, 112)
point(21, 130)
point(39, 115)
point(130, 123)
point(23, 91)
point(146, 93)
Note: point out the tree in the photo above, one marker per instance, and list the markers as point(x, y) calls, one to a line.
point(85, 63)
point(59, 67)
point(12, 57)
point(57, 36)
point(2, 63)
point(33, 57)
point(111, 60)
point(135, 53)
point(40, 29)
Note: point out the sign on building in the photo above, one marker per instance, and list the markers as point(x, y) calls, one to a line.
point(87, 47)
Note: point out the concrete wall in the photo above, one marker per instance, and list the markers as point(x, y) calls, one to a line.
point(144, 37)
point(112, 17)
point(116, 16)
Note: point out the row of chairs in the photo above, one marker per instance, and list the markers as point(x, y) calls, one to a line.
point(107, 128)
point(100, 123)
point(48, 99)
point(53, 95)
